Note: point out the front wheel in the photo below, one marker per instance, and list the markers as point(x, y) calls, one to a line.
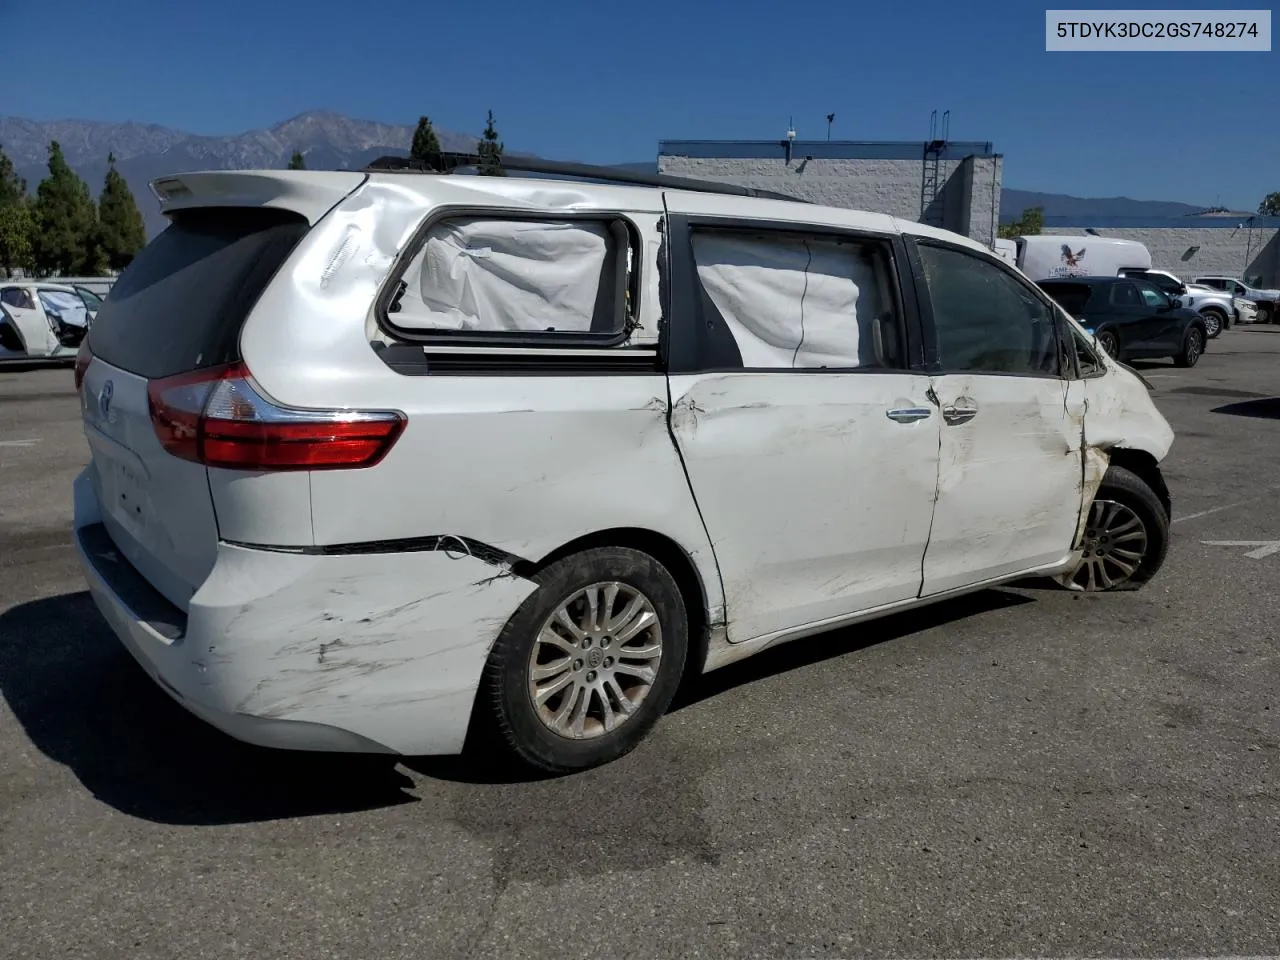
point(1192, 348)
point(1264, 312)
point(588, 663)
point(1126, 536)
point(1214, 323)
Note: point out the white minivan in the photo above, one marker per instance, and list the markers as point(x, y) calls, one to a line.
point(401, 461)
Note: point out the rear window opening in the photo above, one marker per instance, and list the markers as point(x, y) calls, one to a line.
point(182, 302)
point(504, 280)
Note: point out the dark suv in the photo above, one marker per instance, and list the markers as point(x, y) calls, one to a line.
point(1131, 318)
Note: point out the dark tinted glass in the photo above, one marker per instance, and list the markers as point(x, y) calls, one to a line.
point(1072, 297)
point(181, 303)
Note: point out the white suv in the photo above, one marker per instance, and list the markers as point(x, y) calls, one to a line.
point(396, 461)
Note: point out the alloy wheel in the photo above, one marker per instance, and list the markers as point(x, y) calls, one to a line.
point(1194, 346)
point(595, 660)
point(1115, 542)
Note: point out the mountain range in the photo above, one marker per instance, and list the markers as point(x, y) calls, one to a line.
point(331, 141)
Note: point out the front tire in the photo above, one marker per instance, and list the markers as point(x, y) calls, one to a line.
point(1192, 348)
point(1126, 536)
point(588, 663)
point(1214, 323)
point(1264, 313)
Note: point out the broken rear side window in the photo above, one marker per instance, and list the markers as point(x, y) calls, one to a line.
point(793, 301)
point(503, 278)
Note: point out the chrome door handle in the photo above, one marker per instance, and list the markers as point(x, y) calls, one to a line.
point(957, 413)
point(908, 414)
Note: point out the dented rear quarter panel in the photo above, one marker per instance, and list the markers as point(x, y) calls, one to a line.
point(390, 647)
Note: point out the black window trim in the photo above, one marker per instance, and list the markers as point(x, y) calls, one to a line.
point(689, 339)
point(490, 343)
point(924, 297)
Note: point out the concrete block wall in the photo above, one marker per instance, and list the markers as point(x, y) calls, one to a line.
point(1223, 251)
point(965, 201)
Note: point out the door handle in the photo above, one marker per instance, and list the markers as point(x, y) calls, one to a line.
point(960, 412)
point(908, 414)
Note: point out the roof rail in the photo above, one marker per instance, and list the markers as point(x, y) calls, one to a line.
point(448, 162)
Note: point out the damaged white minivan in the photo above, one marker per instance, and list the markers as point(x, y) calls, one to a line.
point(401, 460)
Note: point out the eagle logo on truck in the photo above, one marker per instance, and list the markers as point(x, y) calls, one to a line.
point(1072, 259)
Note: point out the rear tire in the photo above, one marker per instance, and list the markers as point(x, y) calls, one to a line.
point(611, 675)
point(1192, 348)
point(1110, 344)
point(1126, 536)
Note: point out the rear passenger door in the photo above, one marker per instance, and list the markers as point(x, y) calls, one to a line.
point(809, 440)
point(1134, 316)
point(1161, 327)
point(1009, 480)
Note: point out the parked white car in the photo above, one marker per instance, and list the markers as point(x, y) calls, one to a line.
point(425, 458)
point(1265, 302)
point(43, 321)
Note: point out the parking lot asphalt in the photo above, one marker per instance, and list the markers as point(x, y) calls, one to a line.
point(1025, 772)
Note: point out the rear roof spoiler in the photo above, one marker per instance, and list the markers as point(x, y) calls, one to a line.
point(448, 162)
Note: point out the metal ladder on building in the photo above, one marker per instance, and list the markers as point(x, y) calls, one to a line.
point(930, 180)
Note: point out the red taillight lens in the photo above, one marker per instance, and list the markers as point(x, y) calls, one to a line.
point(83, 359)
point(218, 418)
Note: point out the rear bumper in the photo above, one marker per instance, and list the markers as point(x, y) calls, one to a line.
point(376, 653)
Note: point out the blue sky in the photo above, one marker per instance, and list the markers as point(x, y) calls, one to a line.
point(603, 82)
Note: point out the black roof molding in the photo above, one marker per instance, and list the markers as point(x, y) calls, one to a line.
point(445, 163)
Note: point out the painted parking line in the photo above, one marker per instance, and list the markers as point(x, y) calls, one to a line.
point(1225, 506)
point(17, 443)
point(1264, 548)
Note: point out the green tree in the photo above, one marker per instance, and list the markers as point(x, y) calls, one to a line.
point(490, 150)
point(13, 189)
point(425, 141)
point(297, 161)
point(1028, 225)
point(1270, 205)
point(16, 229)
point(65, 239)
point(121, 233)
point(15, 219)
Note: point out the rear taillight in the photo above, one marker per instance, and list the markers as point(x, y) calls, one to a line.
point(83, 358)
point(218, 417)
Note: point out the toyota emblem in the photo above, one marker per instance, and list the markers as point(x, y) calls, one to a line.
point(104, 399)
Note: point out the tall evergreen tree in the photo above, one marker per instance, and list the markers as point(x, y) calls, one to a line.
point(65, 239)
point(16, 230)
point(490, 150)
point(425, 141)
point(297, 161)
point(121, 233)
point(15, 219)
point(13, 188)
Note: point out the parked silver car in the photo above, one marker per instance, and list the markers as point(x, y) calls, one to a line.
point(1267, 302)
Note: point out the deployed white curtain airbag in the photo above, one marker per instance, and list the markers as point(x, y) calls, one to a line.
point(791, 302)
point(505, 275)
point(68, 306)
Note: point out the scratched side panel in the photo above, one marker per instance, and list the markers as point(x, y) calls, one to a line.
point(390, 647)
point(1009, 483)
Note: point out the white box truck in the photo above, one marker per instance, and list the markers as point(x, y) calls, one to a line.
point(1044, 257)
